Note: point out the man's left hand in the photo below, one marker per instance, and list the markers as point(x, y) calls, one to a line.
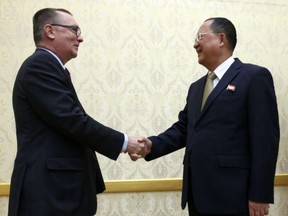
point(258, 209)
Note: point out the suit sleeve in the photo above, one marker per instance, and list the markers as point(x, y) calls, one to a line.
point(173, 139)
point(56, 103)
point(264, 136)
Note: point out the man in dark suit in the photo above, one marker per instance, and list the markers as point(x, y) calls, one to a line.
point(232, 142)
point(56, 171)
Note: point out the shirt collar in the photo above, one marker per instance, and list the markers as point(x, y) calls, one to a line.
point(222, 68)
point(53, 54)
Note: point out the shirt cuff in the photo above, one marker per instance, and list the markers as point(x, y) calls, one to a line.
point(125, 143)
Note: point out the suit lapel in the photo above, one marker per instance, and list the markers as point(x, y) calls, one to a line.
point(194, 100)
point(67, 75)
point(230, 74)
point(198, 99)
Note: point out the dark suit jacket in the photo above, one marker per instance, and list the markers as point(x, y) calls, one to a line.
point(56, 171)
point(231, 145)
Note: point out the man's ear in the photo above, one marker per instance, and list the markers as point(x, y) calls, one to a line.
point(222, 38)
point(49, 31)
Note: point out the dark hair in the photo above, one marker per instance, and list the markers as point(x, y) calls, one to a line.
point(223, 25)
point(43, 17)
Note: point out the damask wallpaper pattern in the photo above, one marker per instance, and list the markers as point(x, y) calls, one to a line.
point(133, 71)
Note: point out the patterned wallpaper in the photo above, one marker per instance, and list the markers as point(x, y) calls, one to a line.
point(133, 71)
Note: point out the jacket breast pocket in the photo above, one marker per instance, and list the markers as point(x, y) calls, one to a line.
point(231, 161)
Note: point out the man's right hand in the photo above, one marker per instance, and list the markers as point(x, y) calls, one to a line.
point(138, 147)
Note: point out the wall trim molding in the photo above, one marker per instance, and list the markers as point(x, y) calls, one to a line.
point(146, 185)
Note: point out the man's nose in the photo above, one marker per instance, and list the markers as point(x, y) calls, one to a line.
point(196, 44)
point(80, 39)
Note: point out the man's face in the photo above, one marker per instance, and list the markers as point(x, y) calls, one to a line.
point(66, 42)
point(207, 45)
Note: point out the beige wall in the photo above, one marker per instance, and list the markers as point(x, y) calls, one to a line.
point(133, 72)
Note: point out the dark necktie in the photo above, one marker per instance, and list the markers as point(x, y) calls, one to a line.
point(208, 87)
point(67, 72)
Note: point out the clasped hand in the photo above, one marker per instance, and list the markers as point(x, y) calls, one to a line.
point(138, 147)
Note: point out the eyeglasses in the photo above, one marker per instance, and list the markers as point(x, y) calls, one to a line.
point(75, 29)
point(199, 36)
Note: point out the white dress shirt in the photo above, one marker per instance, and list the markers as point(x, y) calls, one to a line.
point(221, 70)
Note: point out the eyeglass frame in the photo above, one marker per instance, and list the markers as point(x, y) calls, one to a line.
point(75, 29)
point(199, 35)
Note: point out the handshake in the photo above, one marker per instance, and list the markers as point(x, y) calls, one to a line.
point(138, 147)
